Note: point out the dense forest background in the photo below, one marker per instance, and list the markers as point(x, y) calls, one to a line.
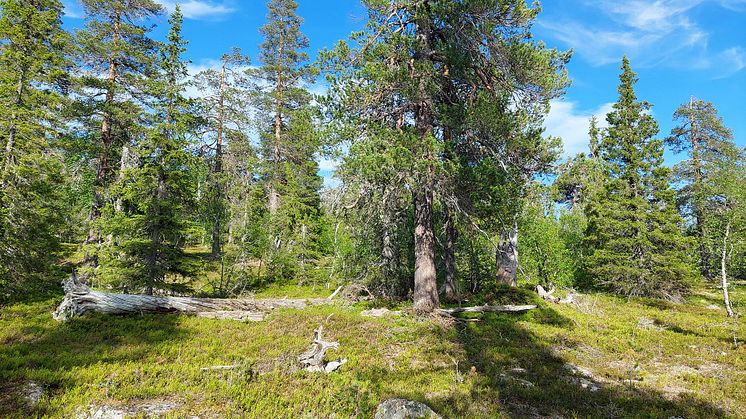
point(448, 185)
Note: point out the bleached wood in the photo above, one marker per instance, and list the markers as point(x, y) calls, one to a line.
point(486, 309)
point(80, 300)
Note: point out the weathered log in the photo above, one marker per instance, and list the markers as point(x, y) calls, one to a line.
point(80, 300)
point(313, 359)
point(486, 309)
point(547, 295)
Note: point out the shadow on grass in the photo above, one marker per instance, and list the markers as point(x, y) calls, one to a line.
point(52, 354)
point(530, 379)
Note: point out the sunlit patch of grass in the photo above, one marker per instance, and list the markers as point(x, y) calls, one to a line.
point(682, 362)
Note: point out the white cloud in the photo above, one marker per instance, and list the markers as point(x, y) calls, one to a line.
point(192, 9)
point(571, 124)
point(730, 61)
point(651, 33)
point(198, 9)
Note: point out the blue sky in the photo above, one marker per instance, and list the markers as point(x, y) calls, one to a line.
point(678, 48)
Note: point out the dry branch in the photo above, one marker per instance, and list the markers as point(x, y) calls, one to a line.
point(80, 300)
point(313, 359)
point(486, 309)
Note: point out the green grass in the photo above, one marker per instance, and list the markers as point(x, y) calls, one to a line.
point(682, 361)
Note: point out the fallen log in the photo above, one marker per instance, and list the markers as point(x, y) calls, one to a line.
point(487, 309)
point(80, 300)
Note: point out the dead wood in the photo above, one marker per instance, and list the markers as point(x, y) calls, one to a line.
point(80, 300)
point(313, 359)
point(487, 309)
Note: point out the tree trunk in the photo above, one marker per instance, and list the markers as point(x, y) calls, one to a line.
point(506, 256)
point(218, 170)
point(80, 300)
point(274, 196)
point(724, 271)
point(425, 284)
point(450, 287)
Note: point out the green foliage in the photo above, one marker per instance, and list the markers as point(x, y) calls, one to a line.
point(546, 255)
point(148, 230)
point(633, 229)
point(32, 176)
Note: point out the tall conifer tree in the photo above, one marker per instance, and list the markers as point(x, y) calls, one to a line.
point(32, 81)
point(702, 135)
point(634, 230)
point(288, 139)
point(118, 54)
point(150, 230)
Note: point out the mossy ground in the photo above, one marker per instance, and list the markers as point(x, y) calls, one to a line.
point(652, 359)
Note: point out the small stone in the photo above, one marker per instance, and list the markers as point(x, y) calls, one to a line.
point(33, 392)
point(404, 409)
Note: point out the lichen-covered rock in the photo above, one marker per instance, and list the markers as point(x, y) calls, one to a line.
point(404, 409)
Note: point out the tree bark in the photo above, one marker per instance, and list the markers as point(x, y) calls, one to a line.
point(425, 284)
point(274, 196)
point(506, 256)
point(80, 300)
point(450, 287)
point(699, 213)
point(724, 271)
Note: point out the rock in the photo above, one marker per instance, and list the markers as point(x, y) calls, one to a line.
point(379, 312)
point(576, 370)
point(403, 409)
point(519, 381)
point(585, 383)
point(32, 392)
point(713, 307)
point(356, 293)
point(147, 409)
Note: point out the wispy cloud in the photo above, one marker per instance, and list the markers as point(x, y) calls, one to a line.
point(571, 124)
point(652, 33)
point(197, 9)
point(192, 9)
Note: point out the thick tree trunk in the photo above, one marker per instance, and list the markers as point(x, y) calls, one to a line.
point(80, 300)
point(425, 284)
point(724, 271)
point(450, 290)
point(506, 256)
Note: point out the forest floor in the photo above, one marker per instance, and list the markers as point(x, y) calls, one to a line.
point(600, 357)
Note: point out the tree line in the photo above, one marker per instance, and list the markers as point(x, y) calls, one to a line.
point(448, 184)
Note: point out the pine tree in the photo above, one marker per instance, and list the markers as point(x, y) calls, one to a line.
point(703, 136)
point(32, 84)
point(288, 140)
point(422, 69)
point(115, 44)
point(150, 230)
point(224, 101)
point(634, 230)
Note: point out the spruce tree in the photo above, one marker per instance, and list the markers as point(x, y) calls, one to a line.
point(634, 231)
point(118, 55)
point(702, 135)
point(149, 231)
point(288, 140)
point(32, 84)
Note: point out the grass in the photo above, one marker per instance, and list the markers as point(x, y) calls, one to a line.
point(652, 360)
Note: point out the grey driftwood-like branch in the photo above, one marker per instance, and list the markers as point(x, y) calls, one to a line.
point(313, 359)
point(80, 300)
point(487, 309)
